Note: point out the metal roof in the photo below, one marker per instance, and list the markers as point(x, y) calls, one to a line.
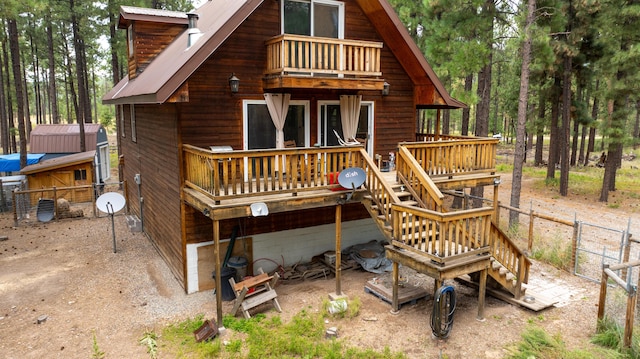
point(131, 13)
point(62, 138)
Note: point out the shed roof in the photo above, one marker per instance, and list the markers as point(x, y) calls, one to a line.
point(60, 162)
point(217, 21)
point(62, 138)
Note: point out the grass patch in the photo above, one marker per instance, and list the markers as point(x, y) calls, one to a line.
point(536, 343)
point(263, 337)
point(554, 251)
point(611, 335)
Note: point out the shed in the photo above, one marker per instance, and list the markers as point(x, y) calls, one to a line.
point(63, 139)
point(61, 172)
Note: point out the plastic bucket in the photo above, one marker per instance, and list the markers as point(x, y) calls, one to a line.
point(225, 275)
point(240, 265)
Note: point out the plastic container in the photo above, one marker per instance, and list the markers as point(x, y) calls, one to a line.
point(240, 265)
point(225, 275)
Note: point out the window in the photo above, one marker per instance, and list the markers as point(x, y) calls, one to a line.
point(130, 40)
point(120, 111)
point(80, 175)
point(330, 119)
point(133, 123)
point(260, 132)
point(321, 18)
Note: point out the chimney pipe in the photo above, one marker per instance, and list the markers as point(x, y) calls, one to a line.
point(193, 32)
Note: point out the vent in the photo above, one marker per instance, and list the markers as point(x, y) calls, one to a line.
point(193, 33)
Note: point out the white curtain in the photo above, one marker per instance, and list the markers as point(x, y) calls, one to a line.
point(350, 114)
point(278, 105)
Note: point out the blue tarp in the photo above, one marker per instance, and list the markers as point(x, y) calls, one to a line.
point(11, 162)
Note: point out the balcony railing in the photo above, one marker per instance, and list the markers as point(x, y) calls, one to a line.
point(236, 174)
point(455, 155)
point(308, 56)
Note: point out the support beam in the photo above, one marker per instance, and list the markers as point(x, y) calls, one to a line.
point(338, 249)
point(395, 306)
point(216, 254)
point(482, 290)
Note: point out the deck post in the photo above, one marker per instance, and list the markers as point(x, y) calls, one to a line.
point(338, 249)
point(394, 296)
point(218, 266)
point(482, 289)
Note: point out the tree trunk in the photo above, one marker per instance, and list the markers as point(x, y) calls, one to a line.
point(636, 126)
point(4, 120)
point(17, 75)
point(537, 159)
point(516, 181)
point(482, 119)
point(11, 143)
point(83, 98)
point(592, 130)
point(53, 91)
point(566, 126)
point(464, 127)
point(554, 138)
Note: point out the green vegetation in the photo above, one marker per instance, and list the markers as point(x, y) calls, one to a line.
point(555, 251)
point(95, 348)
point(536, 343)
point(611, 335)
point(262, 337)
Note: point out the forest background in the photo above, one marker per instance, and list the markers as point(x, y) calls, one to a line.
point(556, 74)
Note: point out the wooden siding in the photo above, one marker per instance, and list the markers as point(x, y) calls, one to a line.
point(213, 116)
point(63, 177)
point(155, 157)
point(149, 40)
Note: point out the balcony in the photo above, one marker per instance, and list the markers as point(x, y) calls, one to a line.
point(295, 61)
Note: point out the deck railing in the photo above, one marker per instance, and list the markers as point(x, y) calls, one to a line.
point(455, 156)
point(228, 175)
point(306, 55)
point(382, 194)
point(423, 189)
point(510, 256)
point(442, 236)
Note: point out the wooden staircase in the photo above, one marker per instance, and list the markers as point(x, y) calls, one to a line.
point(409, 211)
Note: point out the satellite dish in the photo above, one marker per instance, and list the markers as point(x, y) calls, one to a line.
point(110, 202)
point(259, 209)
point(352, 178)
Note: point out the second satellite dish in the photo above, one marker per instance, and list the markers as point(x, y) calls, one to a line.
point(110, 202)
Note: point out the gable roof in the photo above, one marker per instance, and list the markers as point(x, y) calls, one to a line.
point(217, 21)
point(62, 138)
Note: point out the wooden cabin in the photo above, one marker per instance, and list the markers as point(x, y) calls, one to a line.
point(264, 103)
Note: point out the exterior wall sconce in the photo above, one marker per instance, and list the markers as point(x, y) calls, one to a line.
point(234, 83)
point(385, 89)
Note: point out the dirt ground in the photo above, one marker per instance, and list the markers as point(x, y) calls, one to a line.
point(62, 285)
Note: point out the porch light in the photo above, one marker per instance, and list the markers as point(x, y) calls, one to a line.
point(385, 89)
point(234, 83)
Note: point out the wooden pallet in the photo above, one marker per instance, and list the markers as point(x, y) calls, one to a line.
point(407, 294)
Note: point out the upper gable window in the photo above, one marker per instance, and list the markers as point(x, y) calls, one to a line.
point(321, 18)
point(130, 40)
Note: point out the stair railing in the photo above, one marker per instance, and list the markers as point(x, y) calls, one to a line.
point(381, 192)
point(418, 183)
point(510, 256)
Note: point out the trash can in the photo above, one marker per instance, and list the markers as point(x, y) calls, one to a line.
point(240, 265)
point(225, 275)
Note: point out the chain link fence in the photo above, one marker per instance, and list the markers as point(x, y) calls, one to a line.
point(32, 205)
